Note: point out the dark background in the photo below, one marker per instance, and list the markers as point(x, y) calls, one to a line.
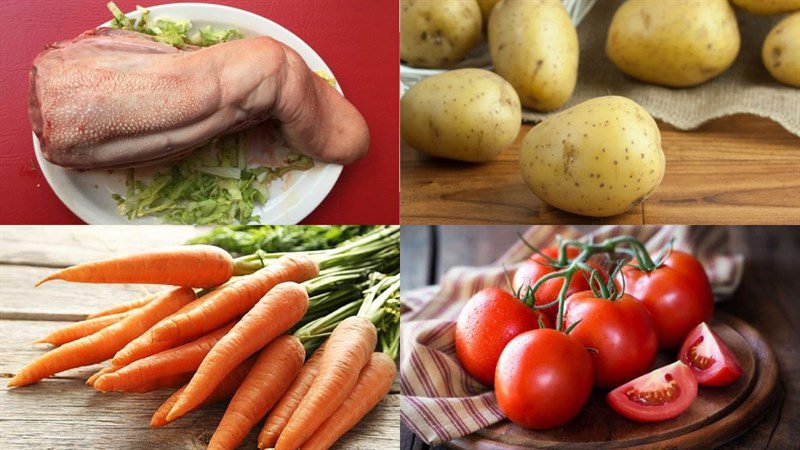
point(767, 298)
point(356, 38)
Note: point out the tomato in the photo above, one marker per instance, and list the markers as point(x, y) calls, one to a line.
point(712, 362)
point(660, 395)
point(537, 266)
point(677, 294)
point(544, 379)
point(620, 330)
point(490, 319)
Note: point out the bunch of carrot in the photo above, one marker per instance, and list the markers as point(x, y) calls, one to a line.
point(232, 339)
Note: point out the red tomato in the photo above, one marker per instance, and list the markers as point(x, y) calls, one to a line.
point(620, 330)
point(490, 319)
point(537, 266)
point(660, 395)
point(544, 379)
point(677, 294)
point(712, 362)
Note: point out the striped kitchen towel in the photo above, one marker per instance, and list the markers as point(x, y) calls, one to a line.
point(440, 400)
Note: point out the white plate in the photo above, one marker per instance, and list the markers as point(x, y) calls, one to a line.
point(88, 193)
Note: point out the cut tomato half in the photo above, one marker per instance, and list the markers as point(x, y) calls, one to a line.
point(712, 362)
point(659, 395)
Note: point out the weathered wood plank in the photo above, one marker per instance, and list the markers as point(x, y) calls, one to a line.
point(767, 299)
point(61, 412)
point(455, 193)
point(17, 348)
point(58, 300)
point(739, 170)
point(474, 246)
point(65, 414)
point(415, 257)
point(60, 246)
point(63, 407)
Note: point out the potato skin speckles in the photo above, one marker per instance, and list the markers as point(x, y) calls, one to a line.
point(781, 51)
point(467, 115)
point(657, 42)
point(534, 46)
point(438, 33)
point(767, 7)
point(590, 172)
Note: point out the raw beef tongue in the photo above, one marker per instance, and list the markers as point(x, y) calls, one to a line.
point(114, 98)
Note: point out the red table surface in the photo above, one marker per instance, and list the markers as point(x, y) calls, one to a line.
point(358, 39)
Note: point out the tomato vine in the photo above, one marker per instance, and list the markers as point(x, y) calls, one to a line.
point(569, 268)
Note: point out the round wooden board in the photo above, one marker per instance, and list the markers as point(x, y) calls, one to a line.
point(716, 416)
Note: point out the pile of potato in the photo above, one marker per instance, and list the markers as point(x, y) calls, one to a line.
point(603, 156)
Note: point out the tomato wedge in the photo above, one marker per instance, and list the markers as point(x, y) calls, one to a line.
point(659, 395)
point(712, 362)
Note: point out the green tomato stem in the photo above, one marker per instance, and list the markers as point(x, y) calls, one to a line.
point(578, 264)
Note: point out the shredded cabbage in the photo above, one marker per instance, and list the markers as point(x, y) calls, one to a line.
point(213, 185)
point(173, 32)
point(200, 190)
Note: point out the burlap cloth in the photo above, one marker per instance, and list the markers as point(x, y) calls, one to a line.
point(746, 87)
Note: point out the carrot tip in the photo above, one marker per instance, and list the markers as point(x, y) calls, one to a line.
point(171, 417)
point(103, 383)
point(43, 280)
point(178, 409)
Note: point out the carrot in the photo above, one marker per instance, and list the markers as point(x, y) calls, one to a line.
point(80, 329)
point(273, 372)
point(90, 381)
point(280, 414)
point(182, 359)
point(145, 345)
point(102, 345)
point(223, 391)
point(281, 308)
point(140, 348)
point(373, 384)
point(155, 384)
point(235, 299)
point(347, 352)
point(123, 307)
point(193, 265)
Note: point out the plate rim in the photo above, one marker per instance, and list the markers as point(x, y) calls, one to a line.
point(314, 197)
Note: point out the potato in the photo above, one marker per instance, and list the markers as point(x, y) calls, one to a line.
point(534, 46)
point(781, 51)
point(599, 158)
point(766, 7)
point(486, 8)
point(657, 42)
point(438, 33)
point(467, 114)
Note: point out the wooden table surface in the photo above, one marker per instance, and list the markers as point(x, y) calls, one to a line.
point(767, 299)
point(737, 170)
point(60, 411)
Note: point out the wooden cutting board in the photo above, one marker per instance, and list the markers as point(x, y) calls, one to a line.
point(735, 170)
point(716, 416)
